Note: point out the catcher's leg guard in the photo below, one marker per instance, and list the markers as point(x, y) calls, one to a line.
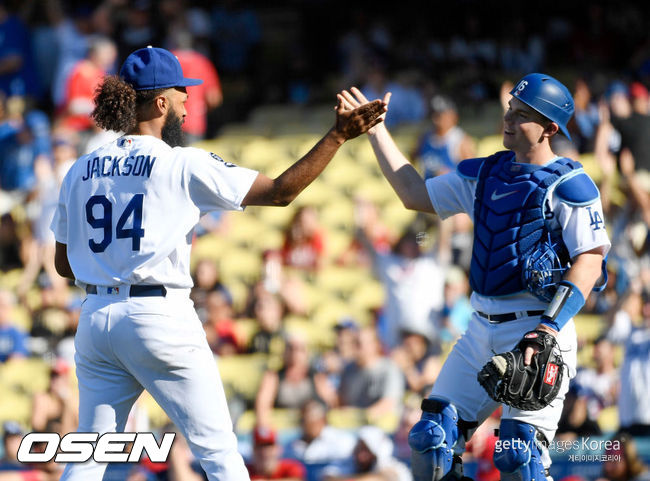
point(432, 440)
point(518, 455)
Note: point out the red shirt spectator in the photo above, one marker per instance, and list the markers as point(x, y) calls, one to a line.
point(267, 464)
point(201, 98)
point(304, 241)
point(84, 79)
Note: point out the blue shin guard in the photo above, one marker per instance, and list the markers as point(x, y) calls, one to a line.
point(518, 455)
point(432, 440)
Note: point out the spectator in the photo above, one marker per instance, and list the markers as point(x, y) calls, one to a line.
point(84, 79)
point(456, 311)
point(419, 359)
point(13, 340)
point(634, 417)
point(206, 278)
point(267, 462)
point(12, 434)
point(623, 462)
point(271, 336)
point(201, 98)
point(367, 216)
point(332, 362)
point(413, 283)
point(320, 443)
point(372, 382)
point(17, 72)
point(592, 390)
point(288, 284)
point(406, 103)
point(51, 321)
point(583, 129)
point(372, 460)
point(237, 33)
point(219, 326)
point(445, 144)
point(41, 211)
point(182, 466)
point(72, 32)
point(630, 118)
point(56, 409)
point(304, 242)
point(291, 386)
point(22, 142)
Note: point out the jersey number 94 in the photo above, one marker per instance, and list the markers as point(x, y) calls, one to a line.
point(104, 221)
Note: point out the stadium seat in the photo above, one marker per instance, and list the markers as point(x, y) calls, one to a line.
point(242, 373)
point(608, 419)
point(157, 417)
point(588, 326)
point(240, 264)
point(369, 294)
point(318, 337)
point(28, 375)
point(15, 406)
point(341, 281)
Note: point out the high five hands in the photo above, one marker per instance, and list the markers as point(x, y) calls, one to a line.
point(355, 101)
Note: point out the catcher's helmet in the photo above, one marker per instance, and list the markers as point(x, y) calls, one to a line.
point(548, 96)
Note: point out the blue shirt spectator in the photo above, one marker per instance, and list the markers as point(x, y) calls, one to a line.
point(17, 73)
point(13, 341)
point(20, 144)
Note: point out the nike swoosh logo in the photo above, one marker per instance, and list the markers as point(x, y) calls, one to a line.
point(496, 196)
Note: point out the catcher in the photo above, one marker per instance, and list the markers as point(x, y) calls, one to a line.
point(539, 248)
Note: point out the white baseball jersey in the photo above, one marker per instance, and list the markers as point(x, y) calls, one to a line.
point(582, 227)
point(127, 210)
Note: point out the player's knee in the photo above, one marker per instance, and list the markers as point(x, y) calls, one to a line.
point(517, 454)
point(438, 427)
point(432, 441)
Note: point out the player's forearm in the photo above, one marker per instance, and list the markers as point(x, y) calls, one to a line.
point(402, 176)
point(585, 271)
point(292, 181)
point(61, 263)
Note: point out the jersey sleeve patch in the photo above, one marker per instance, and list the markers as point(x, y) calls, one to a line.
point(469, 168)
point(578, 190)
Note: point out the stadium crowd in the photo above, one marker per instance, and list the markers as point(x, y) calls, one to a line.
point(330, 320)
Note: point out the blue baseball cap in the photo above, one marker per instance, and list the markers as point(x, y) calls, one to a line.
point(154, 68)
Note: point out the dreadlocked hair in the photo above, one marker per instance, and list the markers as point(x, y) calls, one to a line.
point(117, 104)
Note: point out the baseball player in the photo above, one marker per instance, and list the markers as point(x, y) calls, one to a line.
point(539, 245)
point(123, 227)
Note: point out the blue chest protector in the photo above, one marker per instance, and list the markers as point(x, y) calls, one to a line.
point(509, 219)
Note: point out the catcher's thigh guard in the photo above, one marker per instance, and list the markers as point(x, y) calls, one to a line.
point(432, 440)
point(518, 455)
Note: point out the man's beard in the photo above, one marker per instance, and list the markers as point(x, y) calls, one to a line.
point(172, 132)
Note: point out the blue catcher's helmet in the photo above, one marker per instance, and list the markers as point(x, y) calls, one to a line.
point(544, 268)
point(548, 96)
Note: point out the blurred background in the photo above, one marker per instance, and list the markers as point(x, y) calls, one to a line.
point(329, 319)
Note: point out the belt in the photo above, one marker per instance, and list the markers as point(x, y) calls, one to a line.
point(509, 316)
point(137, 290)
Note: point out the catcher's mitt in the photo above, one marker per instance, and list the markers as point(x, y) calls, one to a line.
point(529, 388)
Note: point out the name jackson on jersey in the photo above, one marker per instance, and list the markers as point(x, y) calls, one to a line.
point(109, 166)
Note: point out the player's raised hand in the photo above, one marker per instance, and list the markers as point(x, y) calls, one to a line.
point(354, 98)
point(351, 123)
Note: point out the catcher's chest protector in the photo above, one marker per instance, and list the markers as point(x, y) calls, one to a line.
point(509, 219)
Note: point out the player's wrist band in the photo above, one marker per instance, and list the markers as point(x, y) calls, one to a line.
point(566, 303)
